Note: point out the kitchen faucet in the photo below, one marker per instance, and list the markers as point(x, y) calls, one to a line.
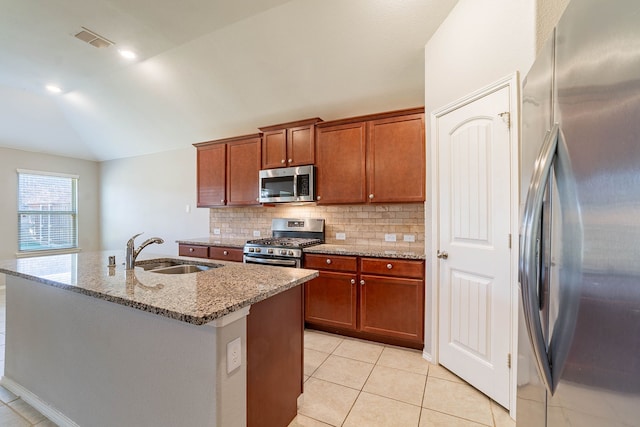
point(132, 253)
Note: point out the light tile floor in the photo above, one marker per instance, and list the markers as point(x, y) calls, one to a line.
point(351, 382)
point(348, 383)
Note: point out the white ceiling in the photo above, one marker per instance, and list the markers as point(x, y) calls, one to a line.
point(206, 69)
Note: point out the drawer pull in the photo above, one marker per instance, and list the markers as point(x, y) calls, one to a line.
point(328, 261)
point(225, 253)
point(389, 266)
point(190, 249)
point(353, 281)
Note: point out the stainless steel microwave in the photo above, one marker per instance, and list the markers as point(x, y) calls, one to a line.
point(295, 184)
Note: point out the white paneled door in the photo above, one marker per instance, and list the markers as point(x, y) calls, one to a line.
point(474, 198)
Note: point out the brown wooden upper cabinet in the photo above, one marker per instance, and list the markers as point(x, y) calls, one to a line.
point(289, 144)
point(227, 171)
point(378, 158)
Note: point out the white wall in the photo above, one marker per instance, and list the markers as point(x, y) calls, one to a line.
point(149, 194)
point(477, 44)
point(88, 195)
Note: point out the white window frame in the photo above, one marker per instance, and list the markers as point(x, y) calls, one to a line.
point(74, 212)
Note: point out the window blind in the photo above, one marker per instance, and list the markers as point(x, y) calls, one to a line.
point(47, 211)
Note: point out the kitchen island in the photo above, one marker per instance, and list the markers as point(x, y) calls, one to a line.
point(90, 344)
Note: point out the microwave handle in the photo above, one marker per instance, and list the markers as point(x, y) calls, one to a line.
point(295, 185)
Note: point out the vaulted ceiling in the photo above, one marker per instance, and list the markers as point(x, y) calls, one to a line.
point(205, 69)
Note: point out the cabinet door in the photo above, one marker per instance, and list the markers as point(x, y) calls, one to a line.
point(340, 160)
point(396, 159)
point(330, 299)
point(392, 306)
point(211, 181)
point(301, 146)
point(243, 167)
point(274, 149)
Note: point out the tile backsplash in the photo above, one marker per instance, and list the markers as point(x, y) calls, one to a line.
point(361, 224)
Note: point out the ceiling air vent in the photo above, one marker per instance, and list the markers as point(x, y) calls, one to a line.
point(92, 38)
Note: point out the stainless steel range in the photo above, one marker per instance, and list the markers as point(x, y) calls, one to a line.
point(284, 247)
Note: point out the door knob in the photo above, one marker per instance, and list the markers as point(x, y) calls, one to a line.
point(442, 255)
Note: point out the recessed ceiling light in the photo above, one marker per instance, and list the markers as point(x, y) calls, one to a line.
point(125, 53)
point(53, 89)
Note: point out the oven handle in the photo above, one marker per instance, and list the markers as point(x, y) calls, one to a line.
point(278, 262)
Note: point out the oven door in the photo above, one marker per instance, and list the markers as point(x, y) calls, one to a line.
point(275, 261)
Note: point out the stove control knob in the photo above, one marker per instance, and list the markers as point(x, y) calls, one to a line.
point(250, 249)
point(258, 250)
point(270, 251)
point(291, 253)
point(283, 252)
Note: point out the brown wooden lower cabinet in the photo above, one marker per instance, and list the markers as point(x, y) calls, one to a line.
point(275, 359)
point(379, 299)
point(389, 306)
point(331, 299)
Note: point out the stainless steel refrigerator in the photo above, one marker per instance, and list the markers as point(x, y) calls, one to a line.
point(579, 329)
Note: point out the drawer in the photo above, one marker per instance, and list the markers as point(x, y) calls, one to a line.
point(193, 250)
point(226, 254)
point(392, 267)
point(330, 262)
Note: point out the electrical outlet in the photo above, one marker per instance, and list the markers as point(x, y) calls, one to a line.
point(341, 236)
point(256, 233)
point(216, 231)
point(234, 355)
point(389, 237)
point(409, 238)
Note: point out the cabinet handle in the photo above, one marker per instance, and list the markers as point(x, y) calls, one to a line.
point(257, 199)
point(222, 201)
point(353, 281)
point(282, 161)
point(225, 253)
point(318, 197)
point(371, 196)
point(362, 282)
point(328, 261)
point(190, 249)
point(389, 266)
point(290, 160)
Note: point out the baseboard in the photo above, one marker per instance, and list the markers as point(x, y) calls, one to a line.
point(426, 356)
point(51, 413)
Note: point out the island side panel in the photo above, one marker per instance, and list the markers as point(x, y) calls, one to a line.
point(275, 359)
point(103, 364)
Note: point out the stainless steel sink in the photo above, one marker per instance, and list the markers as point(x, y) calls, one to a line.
point(181, 269)
point(174, 266)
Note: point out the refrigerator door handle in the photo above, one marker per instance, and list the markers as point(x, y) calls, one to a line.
point(528, 246)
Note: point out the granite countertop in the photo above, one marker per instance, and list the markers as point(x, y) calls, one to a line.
point(196, 298)
point(215, 241)
point(371, 251)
